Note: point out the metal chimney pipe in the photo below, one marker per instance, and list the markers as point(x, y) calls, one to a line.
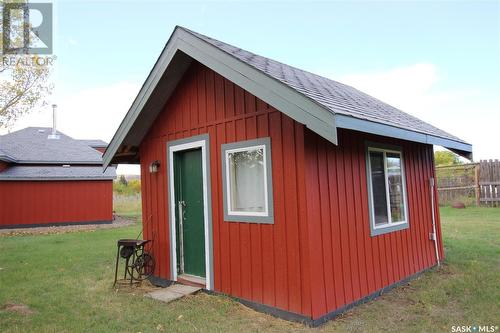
point(54, 119)
point(54, 135)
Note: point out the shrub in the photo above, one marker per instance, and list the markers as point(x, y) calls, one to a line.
point(132, 187)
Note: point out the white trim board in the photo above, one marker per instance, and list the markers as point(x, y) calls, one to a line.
point(200, 141)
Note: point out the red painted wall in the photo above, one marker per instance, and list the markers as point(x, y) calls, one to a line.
point(39, 202)
point(263, 263)
point(100, 149)
point(348, 263)
point(316, 255)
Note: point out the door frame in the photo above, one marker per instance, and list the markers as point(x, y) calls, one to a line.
point(203, 142)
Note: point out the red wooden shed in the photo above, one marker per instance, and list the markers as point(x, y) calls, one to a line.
point(49, 178)
point(296, 194)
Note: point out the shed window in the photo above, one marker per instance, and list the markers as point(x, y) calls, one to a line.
point(387, 189)
point(247, 181)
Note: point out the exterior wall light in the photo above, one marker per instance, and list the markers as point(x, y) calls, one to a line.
point(153, 167)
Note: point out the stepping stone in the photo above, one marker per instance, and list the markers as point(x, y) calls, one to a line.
point(183, 289)
point(172, 292)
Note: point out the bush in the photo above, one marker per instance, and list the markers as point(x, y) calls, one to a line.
point(132, 187)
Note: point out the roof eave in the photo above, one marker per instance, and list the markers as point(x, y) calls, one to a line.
point(461, 148)
point(7, 159)
point(96, 163)
point(55, 178)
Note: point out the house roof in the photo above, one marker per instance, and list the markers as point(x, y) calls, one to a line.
point(337, 97)
point(36, 157)
point(6, 157)
point(95, 143)
point(323, 105)
point(57, 173)
point(31, 145)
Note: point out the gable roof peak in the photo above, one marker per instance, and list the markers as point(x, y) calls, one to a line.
point(321, 104)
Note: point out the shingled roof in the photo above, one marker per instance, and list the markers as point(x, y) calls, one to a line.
point(32, 155)
point(337, 97)
point(31, 145)
point(57, 173)
point(95, 143)
point(322, 104)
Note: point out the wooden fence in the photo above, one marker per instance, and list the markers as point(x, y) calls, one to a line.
point(489, 183)
point(472, 184)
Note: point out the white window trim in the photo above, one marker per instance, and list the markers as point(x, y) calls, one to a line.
point(389, 226)
point(267, 216)
point(228, 183)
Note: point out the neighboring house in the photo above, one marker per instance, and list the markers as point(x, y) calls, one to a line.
point(296, 194)
point(48, 179)
point(96, 144)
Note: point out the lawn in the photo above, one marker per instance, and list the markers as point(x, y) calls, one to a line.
point(127, 205)
point(65, 280)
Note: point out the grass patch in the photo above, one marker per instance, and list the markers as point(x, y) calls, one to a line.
point(65, 282)
point(127, 205)
point(464, 291)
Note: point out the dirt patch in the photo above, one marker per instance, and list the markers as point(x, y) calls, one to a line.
point(137, 288)
point(118, 222)
point(22, 309)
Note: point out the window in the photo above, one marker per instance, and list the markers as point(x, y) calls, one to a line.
point(247, 181)
point(386, 189)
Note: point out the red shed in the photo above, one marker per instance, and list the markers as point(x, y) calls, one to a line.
point(49, 178)
point(296, 194)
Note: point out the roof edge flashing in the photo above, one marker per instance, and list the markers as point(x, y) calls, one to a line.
point(367, 126)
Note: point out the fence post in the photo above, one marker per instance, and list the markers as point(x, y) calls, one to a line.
point(476, 184)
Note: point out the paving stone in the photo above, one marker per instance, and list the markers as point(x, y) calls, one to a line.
point(183, 289)
point(172, 292)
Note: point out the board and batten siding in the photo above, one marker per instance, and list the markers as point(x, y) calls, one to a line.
point(264, 263)
point(318, 255)
point(348, 263)
point(48, 202)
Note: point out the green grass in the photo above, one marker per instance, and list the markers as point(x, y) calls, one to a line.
point(127, 205)
point(66, 280)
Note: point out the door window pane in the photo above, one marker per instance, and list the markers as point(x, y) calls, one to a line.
point(378, 187)
point(247, 181)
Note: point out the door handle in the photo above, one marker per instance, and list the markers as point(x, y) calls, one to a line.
point(181, 205)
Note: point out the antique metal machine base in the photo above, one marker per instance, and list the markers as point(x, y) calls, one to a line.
point(139, 264)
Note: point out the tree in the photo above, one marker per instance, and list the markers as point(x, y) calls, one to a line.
point(446, 158)
point(24, 79)
point(122, 180)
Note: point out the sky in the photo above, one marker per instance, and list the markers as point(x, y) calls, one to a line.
point(439, 61)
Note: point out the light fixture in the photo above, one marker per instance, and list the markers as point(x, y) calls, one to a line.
point(153, 167)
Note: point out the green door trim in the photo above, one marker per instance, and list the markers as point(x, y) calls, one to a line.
point(203, 142)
